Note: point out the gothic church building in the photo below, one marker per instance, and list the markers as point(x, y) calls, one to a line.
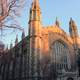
point(47, 53)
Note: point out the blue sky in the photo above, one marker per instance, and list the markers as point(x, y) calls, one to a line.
point(63, 9)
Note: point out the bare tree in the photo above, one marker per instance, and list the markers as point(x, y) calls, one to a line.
point(8, 10)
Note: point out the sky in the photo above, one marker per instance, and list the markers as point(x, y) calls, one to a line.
point(50, 9)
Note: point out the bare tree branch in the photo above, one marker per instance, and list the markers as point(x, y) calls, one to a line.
point(13, 26)
point(10, 8)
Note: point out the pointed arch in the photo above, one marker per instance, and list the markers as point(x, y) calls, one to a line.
point(60, 55)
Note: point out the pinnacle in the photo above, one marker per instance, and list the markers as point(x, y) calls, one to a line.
point(36, 2)
point(57, 22)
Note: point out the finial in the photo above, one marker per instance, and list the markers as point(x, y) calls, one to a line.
point(57, 22)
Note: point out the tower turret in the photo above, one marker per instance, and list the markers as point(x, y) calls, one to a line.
point(35, 19)
point(73, 28)
point(35, 38)
point(73, 33)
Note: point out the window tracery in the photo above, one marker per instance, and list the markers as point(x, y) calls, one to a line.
point(60, 55)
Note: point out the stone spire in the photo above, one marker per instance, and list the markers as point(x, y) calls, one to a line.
point(73, 32)
point(35, 11)
point(23, 34)
point(35, 19)
point(11, 45)
point(16, 41)
point(73, 28)
point(57, 22)
point(36, 2)
point(35, 5)
point(72, 23)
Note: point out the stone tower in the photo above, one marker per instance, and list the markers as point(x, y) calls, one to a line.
point(74, 35)
point(73, 32)
point(35, 39)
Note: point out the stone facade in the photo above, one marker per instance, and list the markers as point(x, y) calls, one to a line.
point(52, 46)
point(47, 53)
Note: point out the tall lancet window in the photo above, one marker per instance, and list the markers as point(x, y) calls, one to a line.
point(60, 55)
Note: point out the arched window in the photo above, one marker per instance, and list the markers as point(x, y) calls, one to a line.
point(60, 55)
